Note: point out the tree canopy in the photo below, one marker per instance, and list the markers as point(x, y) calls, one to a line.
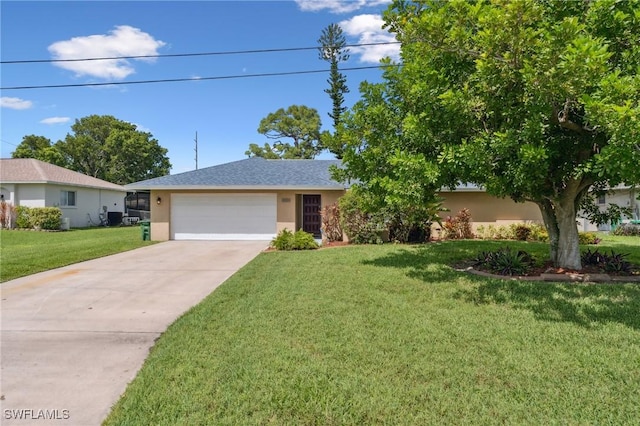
point(299, 123)
point(534, 100)
point(103, 147)
point(40, 148)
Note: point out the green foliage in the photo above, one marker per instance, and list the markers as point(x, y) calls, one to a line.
point(505, 261)
point(612, 263)
point(299, 123)
point(515, 231)
point(459, 226)
point(361, 227)
point(532, 100)
point(588, 238)
point(103, 147)
point(539, 233)
point(331, 229)
point(113, 150)
point(40, 148)
point(299, 240)
point(333, 50)
point(23, 217)
point(627, 229)
point(49, 218)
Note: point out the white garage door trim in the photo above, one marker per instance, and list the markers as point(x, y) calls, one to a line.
point(223, 216)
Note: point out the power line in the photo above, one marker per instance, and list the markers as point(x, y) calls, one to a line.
point(176, 80)
point(182, 55)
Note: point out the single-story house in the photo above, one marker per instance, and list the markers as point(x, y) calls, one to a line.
point(251, 199)
point(82, 199)
point(623, 196)
point(256, 198)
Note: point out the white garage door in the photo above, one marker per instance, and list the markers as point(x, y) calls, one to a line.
point(223, 216)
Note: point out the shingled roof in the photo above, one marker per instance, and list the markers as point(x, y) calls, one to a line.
point(30, 170)
point(250, 173)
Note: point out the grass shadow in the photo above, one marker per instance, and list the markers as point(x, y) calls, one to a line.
point(432, 262)
point(583, 304)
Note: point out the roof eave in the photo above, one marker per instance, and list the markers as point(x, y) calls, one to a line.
point(50, 182)
point(234, 188)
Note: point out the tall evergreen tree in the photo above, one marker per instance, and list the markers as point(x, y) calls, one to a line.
point(332, 49)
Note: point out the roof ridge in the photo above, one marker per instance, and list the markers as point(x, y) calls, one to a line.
point(38, 167)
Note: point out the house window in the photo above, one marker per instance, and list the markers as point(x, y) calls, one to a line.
point(67, 198)
point(601, 199)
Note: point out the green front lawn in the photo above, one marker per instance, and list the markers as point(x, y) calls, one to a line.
point(27, 252)
point(392, 335)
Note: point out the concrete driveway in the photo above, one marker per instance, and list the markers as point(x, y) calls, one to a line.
point(72, 338)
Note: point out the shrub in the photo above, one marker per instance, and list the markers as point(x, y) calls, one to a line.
point(522, 232)
point(304, 241)
point(459, 226)
point(7, 215)
point(49, 218)
point(300, 240)
point(627, 230)
point(516, 231)
point(539, 233)
point(331, 229)
point(614, 263)
point(505, 261)
point(23, 217)
point(588, 238)
point(360, 226)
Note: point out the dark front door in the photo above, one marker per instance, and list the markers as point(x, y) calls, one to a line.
point(311, 214)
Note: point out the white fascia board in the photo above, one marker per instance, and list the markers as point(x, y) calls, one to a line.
point(232, 188)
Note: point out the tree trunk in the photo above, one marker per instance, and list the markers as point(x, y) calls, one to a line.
point(568, 255)
point(560, 221)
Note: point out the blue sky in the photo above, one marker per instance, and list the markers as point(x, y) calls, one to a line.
point(225, 113)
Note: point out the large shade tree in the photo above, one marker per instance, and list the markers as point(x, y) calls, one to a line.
point(107, 148)
point(534, 100)
point(299, 124)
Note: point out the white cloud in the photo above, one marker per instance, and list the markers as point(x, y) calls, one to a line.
point(338, 6)
point(55, 120)
point(15, 103)
point(368, 29)
point(122, 41)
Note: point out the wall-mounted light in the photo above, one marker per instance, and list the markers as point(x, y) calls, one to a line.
point(158, 200)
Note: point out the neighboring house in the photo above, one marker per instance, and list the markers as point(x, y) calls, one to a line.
point(623, 196)
point(256, 198)
point(82, 199)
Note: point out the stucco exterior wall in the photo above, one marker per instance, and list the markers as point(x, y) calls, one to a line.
point(287, 214)
point(486, 209)
point(160, 215)
point(30, 195)
point(89, 203)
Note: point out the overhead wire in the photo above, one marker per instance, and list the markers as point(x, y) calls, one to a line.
point(181, 55)
point(183, 79)
point(195, 79)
